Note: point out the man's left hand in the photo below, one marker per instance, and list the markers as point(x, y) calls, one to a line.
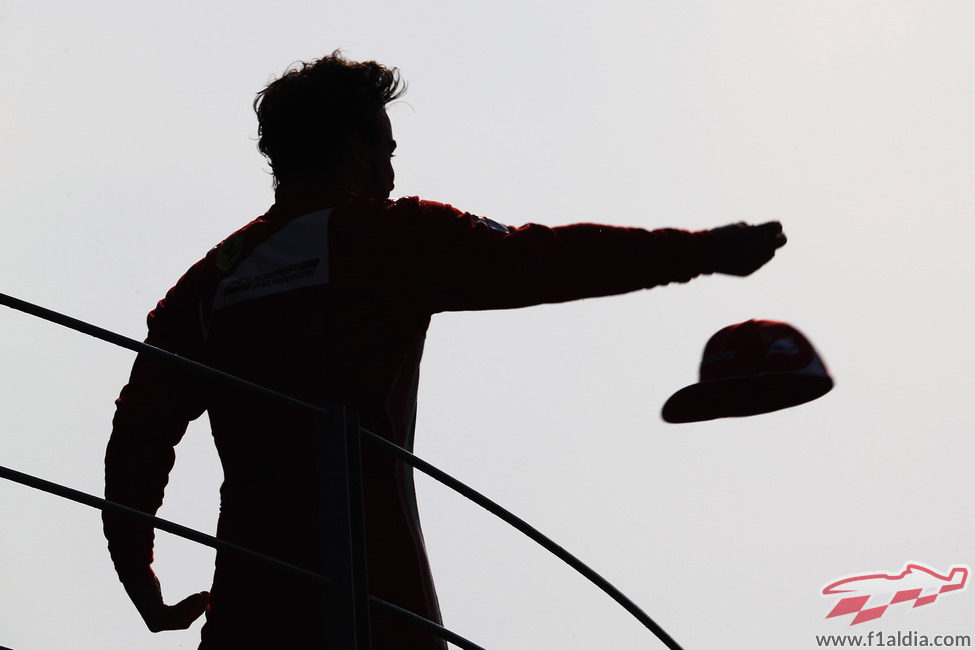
point(146, 594)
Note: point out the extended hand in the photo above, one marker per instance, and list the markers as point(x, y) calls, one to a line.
point(741, 249)
point(146, 594)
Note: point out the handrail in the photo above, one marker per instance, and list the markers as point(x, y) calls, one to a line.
point(221, 545)
point(391, 448)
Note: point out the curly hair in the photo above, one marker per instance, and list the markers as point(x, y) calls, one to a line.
point(305, 116)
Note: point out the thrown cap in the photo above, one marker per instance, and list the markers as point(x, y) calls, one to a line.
point(749, 368)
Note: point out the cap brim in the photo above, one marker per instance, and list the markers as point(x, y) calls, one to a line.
point(744, 396)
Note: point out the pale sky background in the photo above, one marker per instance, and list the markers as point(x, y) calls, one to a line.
point(128, 149)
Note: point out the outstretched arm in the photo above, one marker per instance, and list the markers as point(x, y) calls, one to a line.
point(464, 262)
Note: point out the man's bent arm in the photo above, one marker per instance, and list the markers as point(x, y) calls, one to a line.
point(151, 417)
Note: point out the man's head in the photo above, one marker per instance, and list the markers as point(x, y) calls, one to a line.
point(327, 118)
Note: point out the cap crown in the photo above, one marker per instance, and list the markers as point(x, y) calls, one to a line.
point(755, 347)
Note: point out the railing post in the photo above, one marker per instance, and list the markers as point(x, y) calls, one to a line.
point(343, 537)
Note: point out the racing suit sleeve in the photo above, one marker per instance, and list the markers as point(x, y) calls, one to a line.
point(465, 262)
point(152, 413)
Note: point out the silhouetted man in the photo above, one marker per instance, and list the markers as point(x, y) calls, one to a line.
point(327, 297)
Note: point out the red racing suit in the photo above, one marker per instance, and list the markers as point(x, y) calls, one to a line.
point(327, 297)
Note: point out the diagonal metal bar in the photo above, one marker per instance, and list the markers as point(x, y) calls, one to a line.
point(531, 532)
point(221, 545)
point(369, 437)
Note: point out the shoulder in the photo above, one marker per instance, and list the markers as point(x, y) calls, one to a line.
point(405, 217)
point(445, 215)
point(405, 207)
point(182, 300)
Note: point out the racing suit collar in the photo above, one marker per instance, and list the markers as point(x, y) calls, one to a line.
point(309, 194)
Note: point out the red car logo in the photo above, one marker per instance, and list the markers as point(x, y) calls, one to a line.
point(916, 583)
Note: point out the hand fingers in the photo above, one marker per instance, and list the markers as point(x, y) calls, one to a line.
point(770, 228)
point(740, 249)
point(183, 613)
point(771, 232)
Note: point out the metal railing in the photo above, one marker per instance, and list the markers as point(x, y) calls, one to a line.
point(342, 487)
